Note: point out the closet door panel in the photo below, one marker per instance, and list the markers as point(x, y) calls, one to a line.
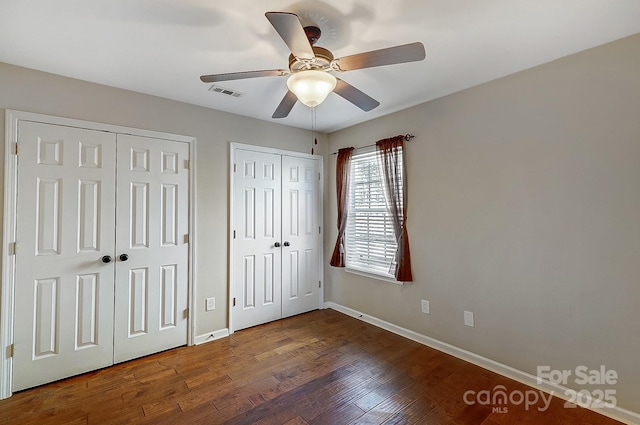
point(256, 249)
point(300, 235)
point(152, 246)
point(63, 323)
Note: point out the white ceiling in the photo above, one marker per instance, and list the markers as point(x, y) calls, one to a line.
point(161, 47)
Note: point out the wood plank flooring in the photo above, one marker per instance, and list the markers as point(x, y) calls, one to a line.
point(317, 368)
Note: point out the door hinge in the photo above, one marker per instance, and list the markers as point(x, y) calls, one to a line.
point(235, 167)
point(186, 238)
point(318, 176)
point(185, 313)
point(234, 234)
point(319, 230)
point(15, 148)
point(186, 164)
point(234, 301)
point(11, 350)
point(12, 248)
point(319, 284)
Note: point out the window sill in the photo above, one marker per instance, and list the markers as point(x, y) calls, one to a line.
point(372, 275)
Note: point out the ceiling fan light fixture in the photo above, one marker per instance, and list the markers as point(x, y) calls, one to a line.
point(311, 87)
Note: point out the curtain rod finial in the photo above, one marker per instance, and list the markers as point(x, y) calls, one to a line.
point(408, 137)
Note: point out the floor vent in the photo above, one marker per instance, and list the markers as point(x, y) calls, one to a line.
point(222, 90)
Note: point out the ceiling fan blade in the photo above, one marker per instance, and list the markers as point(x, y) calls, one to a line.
point(355, 96)
point(290, 29)
point(391, 55)
point(214, 78)
point(285, 105)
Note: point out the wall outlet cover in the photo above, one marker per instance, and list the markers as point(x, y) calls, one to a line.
point(211, 304)
point(468, 319)
point(425, 307)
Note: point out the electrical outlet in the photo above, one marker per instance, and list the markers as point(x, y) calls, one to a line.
point(211, 304)
point(425, 307)
point(468, 319)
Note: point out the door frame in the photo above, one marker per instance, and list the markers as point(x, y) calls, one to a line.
point(233, 147)
point(12, 120)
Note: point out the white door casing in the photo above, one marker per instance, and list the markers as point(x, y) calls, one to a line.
point(300, 234)
point(64, 292)
point(257, 265)
point(151, 306)
point(276, 199)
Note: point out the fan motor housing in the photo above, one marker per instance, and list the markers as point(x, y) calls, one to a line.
point(322, 60)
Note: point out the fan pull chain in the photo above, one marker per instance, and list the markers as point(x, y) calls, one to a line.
point(313, 128)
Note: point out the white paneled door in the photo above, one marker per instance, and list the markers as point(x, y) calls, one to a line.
point(64, 291)
point(300, 235)
point(100, 217)
point(276, 252)
point(256, 249)
point(151, 272)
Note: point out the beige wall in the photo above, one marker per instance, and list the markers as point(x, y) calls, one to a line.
point(524, 207)
point(33, 91)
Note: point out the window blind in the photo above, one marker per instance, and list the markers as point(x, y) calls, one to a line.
point(369, 237)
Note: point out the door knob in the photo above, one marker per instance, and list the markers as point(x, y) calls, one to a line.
point(277, 244)
point(123, 257)
point(106, 259)
point(286, 243)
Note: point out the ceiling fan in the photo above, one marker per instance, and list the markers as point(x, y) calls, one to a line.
point(310, 79)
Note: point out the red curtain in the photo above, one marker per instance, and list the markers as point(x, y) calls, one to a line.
point(343, 172)
point(389, 152)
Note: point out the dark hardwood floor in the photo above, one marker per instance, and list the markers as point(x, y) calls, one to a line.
point(317, 368)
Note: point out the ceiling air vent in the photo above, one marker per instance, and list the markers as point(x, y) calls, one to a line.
point(222, 90)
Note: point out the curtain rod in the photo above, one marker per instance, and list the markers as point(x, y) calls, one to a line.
point(407, 138)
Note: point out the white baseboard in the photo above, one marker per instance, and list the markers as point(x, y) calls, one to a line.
point(617, 413)
point(211, 336)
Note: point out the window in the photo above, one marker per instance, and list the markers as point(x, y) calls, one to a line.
point(370, 242)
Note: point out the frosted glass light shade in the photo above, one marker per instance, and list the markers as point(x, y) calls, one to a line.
point(311, 87)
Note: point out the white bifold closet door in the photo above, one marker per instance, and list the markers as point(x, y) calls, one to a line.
point(88, 292)
point(276, 245)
